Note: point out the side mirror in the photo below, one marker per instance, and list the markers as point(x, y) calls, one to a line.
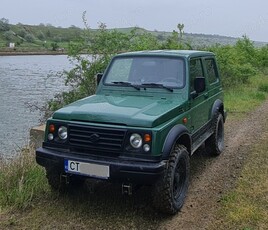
point(98, 78)
point(199, 84)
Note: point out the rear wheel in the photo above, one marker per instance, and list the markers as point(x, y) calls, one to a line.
point(170, 191)
point(215, 143)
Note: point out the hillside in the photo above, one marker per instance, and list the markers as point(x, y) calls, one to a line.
point(44, 38)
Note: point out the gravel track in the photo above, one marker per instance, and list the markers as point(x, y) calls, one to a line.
point(212, 177)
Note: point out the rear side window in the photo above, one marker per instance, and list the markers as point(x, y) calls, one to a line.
point(196, 70)
point(212, 74)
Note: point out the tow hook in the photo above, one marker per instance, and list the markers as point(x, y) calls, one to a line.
point(127, 189)
point(65, 178)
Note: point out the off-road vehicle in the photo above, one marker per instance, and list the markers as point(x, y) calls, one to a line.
point(152, 110)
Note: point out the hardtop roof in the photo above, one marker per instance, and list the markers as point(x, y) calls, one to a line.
point(177, 53)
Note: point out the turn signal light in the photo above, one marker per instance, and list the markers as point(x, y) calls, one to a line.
point(147, 138)
point(51, 128)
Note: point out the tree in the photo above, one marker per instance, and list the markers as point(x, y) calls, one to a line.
point(29, 38)
point(180, 26)
point(41, 36)
point(9, 35)
point(4, 24)
point(54, 46)
point(22, 32)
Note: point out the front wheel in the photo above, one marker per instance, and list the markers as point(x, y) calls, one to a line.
point(170, 191)
point(60, 183)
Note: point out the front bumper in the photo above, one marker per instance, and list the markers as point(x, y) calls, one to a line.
point(123, 170)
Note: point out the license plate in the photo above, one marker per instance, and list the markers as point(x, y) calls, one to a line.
point(89, 169)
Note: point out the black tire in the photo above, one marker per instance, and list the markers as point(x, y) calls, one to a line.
point(55, 180)
point(215, 143)
point(58, 183)
point(170, 190)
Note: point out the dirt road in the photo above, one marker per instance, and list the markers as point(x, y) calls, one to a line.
point(107, 209)
point(213, 177)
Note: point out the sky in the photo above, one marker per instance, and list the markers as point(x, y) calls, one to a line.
point(233, 18)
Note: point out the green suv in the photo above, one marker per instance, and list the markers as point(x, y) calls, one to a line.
point(152, 110)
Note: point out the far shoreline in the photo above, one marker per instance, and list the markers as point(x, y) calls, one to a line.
point(25, 53)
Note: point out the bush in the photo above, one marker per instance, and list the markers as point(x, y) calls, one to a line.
point(263, 87)
point(22, 33)
point(237, 63)
point(9, 35)
point(41, 36)
point(54, 46)
point(29, 38)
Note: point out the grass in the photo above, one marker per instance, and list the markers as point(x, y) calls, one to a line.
point(246, 207)
point(21, 181)
point(243, 99)
point(26, 202)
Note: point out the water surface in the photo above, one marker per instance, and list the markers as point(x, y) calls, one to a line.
point(26, 80)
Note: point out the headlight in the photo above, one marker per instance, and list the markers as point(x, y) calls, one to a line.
point(135, 140)
point(62, 132)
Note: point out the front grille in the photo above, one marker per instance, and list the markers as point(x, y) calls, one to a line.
point(95, 138)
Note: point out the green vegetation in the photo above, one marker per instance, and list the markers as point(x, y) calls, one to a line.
point(241, 65)
point(242, 99)
point(245, 207)
point(21, 180)
point(39, 38)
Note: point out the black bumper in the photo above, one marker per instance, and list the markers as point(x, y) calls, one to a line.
point(122, 170)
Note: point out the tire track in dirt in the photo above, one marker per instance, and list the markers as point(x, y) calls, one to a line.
point(212, 177)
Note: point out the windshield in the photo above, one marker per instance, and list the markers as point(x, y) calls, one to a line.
point(148, 71)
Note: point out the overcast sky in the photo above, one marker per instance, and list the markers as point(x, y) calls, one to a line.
point(227, 17)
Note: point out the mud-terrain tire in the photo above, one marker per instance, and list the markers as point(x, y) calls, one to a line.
point(58, 183)
point(170, 190)
point(215, 143)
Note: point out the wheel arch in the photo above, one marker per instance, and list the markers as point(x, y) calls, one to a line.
point(179, 134)
point(218, 106)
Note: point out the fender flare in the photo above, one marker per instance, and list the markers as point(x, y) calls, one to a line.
point(176, 133)
point(217, 106)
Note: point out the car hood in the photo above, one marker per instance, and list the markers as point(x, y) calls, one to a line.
point(122, 110)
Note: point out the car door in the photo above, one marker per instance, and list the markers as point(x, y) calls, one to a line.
point(198, 101)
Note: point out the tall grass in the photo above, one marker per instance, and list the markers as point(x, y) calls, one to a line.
point(21, 180)
point(242, 99)
point(246, 207)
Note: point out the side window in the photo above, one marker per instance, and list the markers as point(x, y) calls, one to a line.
point(212, 73)
point(196, 70)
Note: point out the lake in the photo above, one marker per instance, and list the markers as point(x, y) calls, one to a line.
point(26, 80)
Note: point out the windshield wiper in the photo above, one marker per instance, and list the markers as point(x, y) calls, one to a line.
point(124, 83)
point(158, 86)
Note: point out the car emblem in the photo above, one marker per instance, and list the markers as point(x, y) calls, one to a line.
point(94, 138)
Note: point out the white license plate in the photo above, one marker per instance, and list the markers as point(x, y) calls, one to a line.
point(89, 169)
